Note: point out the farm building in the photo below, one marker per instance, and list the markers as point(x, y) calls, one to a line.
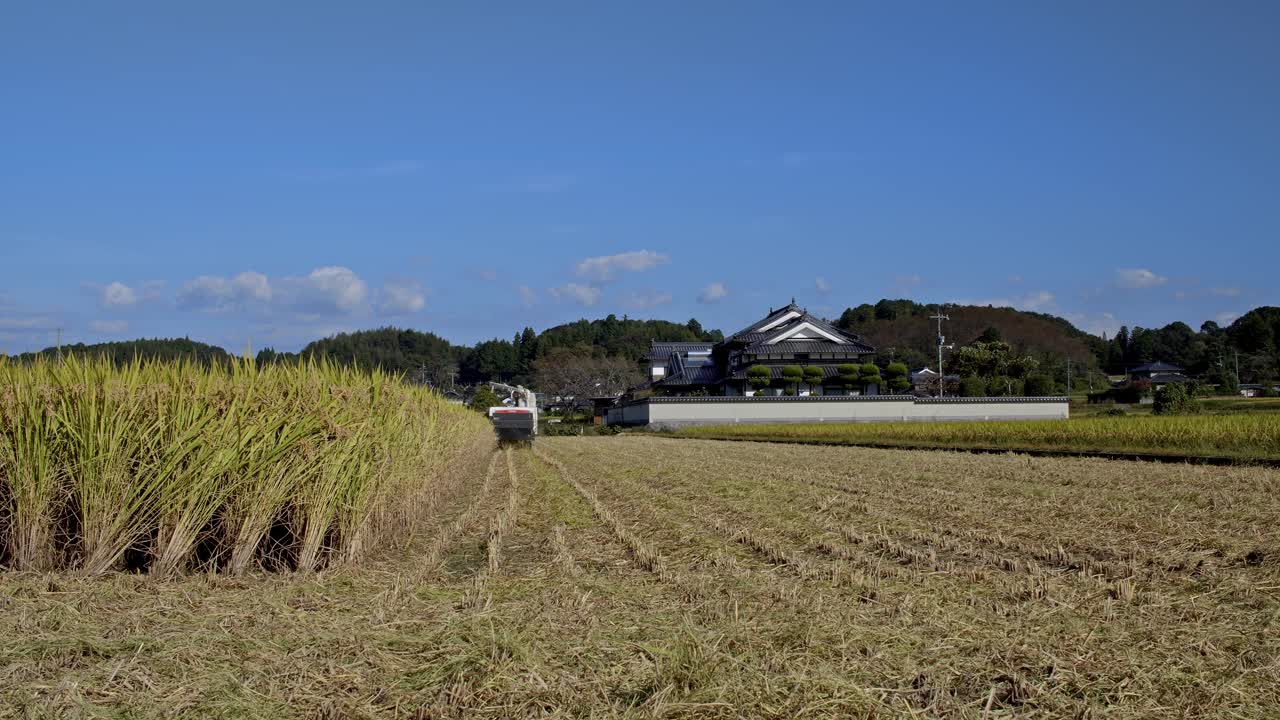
point(1158, 373)
point(786, 336)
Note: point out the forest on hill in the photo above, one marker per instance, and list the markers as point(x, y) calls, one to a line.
point(148, 349)
point(426, 357)
point(900, 329)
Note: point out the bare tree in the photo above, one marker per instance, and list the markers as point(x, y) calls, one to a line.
point(576, 378)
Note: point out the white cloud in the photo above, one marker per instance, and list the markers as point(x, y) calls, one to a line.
point(821, 284)
point(325, 290)
point(1226, 318)
point(641, 300)
point(605, 267)
point(109, 327)
point(581, 294)
point(1226, 291)
point(252, 286)
point(1100, 324)
point(1034, 302)
point(1015, 280)
point(400, 297)
point(1037, 301)
point(715, 292)
point(1139, 278)
point(117, 294)
point(528, 296)
point(211, 293)
point(488, 274)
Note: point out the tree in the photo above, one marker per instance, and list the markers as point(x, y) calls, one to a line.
point(989, 360)
point(1175, 399)
point(526, 353)
point(1038, 385)
point(813, 378)
point(792, 375)
point(990, 335)
point(973, 386)
point(484, 399)
point(898, 377)
point(758, 377)
point(575, 378)
point(694, 326)
point(1225, 379)
point(869, 375)
point(849, 374)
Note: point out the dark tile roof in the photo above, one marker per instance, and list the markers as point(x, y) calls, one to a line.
point(661, 350)
point(702, 375)
point(1172, 377)
point(773, 315)
point(809, 346)
point(1156, 367)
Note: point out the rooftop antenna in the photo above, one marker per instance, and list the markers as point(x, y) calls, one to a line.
point(942, 340)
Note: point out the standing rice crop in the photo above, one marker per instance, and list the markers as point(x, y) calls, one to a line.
point(172, 466)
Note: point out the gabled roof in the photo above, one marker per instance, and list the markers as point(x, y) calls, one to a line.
point(1172, 377)
point(794, 323)
point(1156, 367)
point(774, 318)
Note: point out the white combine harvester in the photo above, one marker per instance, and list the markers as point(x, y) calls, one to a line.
point(516, 419)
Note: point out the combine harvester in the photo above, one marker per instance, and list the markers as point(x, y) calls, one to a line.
point(516, 420)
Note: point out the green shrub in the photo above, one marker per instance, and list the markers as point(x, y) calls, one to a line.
point(898, 376)
point(1175, 399)
point(813, 377)
point(758, 376)
point(1038, 385)
point(792, 375)
point(973, 386)
point(869, 375)
point(484, 399)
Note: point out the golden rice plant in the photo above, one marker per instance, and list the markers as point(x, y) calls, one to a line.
point(173, 466)
point(1239, 436)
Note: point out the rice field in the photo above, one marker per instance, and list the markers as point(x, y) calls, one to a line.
point(167, 468)
point(1242, 437)
point(644, 577)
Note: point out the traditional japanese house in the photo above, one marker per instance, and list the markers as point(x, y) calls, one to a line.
point(788, 336)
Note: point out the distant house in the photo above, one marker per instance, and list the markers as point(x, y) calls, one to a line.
point(1255, 389)
point(922, 380)
point(786, 336)
point(1158, 374)
point(925, 381)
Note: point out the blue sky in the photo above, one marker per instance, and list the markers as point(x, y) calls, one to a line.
point(261, 174)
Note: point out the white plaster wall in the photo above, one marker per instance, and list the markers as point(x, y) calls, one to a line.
point(714, 413)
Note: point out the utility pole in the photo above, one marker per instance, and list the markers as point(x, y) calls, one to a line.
point(942, 383)
point(1068, 378)
point(59, 346)
point(1237, 352)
